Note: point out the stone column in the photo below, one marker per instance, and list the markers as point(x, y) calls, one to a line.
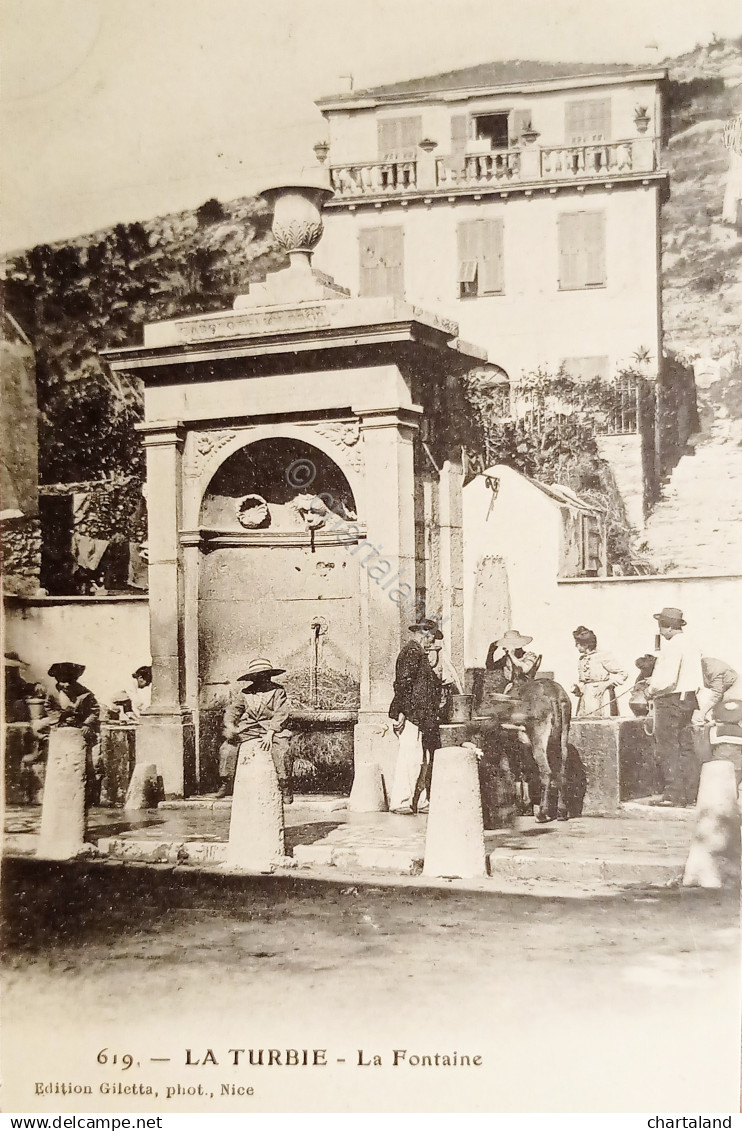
point(165, 732)
point(388, 601)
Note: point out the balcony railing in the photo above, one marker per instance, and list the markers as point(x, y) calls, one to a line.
point(478, 169)
point(374, 178)
point(599, 160)
point(527, 165)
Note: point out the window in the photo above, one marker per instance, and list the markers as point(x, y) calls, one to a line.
point(480, 258)
point(586, 368)
point(581, 250)
point(587, 121)
point(492, 128)
point(399, 138)
point(381, 262)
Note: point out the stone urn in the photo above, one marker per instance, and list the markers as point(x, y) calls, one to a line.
point(297, 220)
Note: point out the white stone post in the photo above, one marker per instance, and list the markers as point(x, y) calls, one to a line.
point(454, 842)
point(388, 603)
point(256, 840)
point(714, 857)
point(165, 732)
point(62, 833)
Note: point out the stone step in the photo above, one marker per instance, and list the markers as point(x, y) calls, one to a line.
point(633, 869)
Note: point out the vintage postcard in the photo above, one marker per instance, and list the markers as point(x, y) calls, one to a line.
point(372, 557)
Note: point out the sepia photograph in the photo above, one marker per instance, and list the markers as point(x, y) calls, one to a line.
point(371, 530)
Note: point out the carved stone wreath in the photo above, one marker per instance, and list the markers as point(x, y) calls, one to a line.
point(206, 444)
point(253, 512)
point(345, 436)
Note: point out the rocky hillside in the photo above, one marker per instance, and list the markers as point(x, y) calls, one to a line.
point(79, 297)
point(702, 258)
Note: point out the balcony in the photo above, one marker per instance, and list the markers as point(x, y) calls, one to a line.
point(478, 169)
point(603, 159)
point(376, 178)
point(530, 166)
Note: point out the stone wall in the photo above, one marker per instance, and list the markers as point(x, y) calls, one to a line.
point(20, 545)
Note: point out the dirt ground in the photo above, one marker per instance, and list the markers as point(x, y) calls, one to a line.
point(627, 1001)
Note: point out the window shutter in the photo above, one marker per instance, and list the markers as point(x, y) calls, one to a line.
point(392, 261)
point(491, 274)
point(574, 123)
point(598, 119)
point(587, 121)
point(399, 138)
point(386, 129)
point(519, 119)
point(468, 248)
point(411, 134)
point(459, 133)
point(594, 242)
point(569, 251)
point(371, 285)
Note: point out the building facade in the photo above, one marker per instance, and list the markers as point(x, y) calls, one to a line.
point(521, 199)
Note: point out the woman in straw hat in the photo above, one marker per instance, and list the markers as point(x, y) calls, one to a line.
point(72, 704)
point(508, 658)
point(257, 715)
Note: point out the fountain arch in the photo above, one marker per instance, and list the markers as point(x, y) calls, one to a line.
point(277, 577)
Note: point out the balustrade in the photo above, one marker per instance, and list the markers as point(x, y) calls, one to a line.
point(500, 166)
point(374, 178)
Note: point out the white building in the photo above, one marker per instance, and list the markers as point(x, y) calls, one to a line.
point(522, 199)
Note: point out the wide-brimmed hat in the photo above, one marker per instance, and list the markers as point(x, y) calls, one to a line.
point(66, 672)
point(513, 639)
point(426, 624)
point(728, 711)
point(144, 672)
point(259, 667)
point(673, 618)
point(13, 660)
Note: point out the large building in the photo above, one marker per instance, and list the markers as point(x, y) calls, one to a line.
point(521, 198)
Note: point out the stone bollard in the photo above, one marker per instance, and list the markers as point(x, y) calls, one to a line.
point(144, 788)
point(62, 834)
point(368, 794)
point(454, 843)
point(714, 857)
point(256, 824)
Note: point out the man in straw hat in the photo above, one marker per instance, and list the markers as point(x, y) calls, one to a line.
point(419, 679)
point(258, 714)
point(672, 689)
point(509, 659)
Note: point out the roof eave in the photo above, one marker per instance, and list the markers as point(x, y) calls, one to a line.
point(367, 100)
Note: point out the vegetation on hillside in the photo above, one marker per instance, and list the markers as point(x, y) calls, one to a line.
point(95, 292)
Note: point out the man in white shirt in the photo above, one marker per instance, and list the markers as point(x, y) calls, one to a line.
point(672, 688)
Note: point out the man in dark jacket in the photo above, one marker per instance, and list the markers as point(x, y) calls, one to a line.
point(414, 711)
